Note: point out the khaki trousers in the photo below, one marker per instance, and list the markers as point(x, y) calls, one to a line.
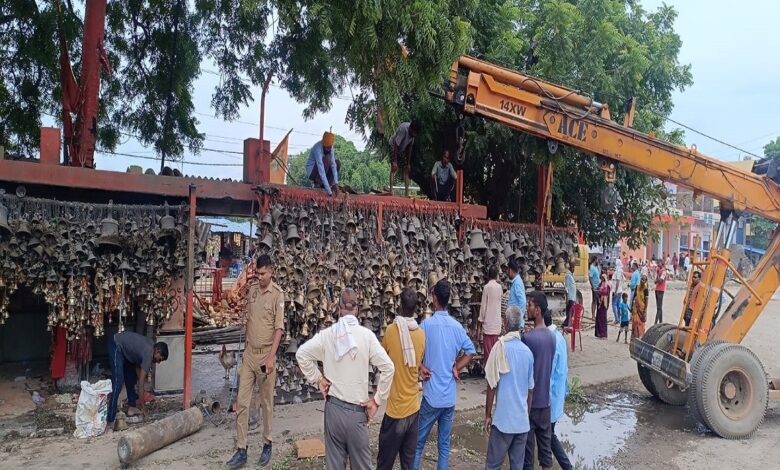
point(248, 376)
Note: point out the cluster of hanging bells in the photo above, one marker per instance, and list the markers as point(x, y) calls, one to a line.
point(93, 263)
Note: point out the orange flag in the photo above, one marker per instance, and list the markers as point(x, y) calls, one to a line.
point(279, 162)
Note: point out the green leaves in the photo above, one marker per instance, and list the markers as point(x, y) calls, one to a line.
point(611, 49)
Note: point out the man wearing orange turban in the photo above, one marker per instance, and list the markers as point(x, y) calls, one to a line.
point(322, 166)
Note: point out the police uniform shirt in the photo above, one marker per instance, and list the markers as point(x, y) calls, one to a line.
point(265, 315)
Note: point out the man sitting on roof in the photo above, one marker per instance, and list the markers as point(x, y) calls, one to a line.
point(322, 166)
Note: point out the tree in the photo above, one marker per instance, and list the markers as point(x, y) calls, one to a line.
point(762, 228)
point(610, 49)
point(772, 149)
point(361, 170)
point(382, 51)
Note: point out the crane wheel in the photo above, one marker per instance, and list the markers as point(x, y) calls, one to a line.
point(651, 337)
point(667, 391)
point(698, 357)
point(732, 391)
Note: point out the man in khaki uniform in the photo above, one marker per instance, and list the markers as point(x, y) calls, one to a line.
point(264, 328)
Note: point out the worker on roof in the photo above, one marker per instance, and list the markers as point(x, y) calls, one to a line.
point(443, 176)
point(322, 166)
point(401, 147)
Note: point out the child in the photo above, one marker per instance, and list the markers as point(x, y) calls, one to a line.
point(624, 317)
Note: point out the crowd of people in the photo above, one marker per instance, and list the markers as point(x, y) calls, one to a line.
point(628, 293)
point(526, 373)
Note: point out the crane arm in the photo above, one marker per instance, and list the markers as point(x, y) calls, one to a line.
point(563, 115)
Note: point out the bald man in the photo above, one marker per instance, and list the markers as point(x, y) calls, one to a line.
point(347, 351)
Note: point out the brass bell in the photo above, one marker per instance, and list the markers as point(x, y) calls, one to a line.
point(5, 229)
point(312, 291)
point(292, 234)
point(434, 241)
point(305, 330)
point(476, 241)
point(268, 240)
point(120, 421)
point(292, 348)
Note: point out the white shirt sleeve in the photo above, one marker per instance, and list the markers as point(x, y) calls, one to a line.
point(378, 358)
point(307, 356)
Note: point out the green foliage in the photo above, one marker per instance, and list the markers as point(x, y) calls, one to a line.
point(363, 171)
point(611, 49)
point(576, 393)
point(761, 230)
point(772, 149)
point(315, 50)
point(29, 75)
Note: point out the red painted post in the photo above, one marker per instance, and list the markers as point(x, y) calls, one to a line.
point(459, 200)
point(189, 293)
point(379, 223)
point(86, 127)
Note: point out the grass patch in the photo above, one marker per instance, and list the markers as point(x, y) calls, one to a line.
point(576, 394)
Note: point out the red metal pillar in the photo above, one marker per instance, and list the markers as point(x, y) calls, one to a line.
point(86, 127)
point(459, 200)
point(379, 223)
point(188, 288)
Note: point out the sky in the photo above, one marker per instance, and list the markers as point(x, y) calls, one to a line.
point(732, 49)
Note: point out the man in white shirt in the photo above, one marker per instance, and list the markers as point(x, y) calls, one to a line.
point(347, 352)
point(401, 148)
point(490, 312)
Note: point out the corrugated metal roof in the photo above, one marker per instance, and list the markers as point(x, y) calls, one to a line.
point(220, 225)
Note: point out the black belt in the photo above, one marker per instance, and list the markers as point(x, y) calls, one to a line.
point(345, 405)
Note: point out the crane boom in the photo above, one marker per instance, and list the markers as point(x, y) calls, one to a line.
point(562, 115)
point(556, 113)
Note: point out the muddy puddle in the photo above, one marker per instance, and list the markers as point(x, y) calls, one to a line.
point(593, 433)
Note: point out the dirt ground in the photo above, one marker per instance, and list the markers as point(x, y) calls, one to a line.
point(618, 426)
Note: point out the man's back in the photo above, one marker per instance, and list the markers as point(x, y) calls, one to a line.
point(444, 339)
point(137, 349)
point(349, 375)
point(541, 342)
point(404, 394)
point(511, 416)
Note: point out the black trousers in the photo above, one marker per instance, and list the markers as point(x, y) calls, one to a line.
point(541, 429)
point(444, 189)
point(659, 307)
point(558, 452)
point(398, 437)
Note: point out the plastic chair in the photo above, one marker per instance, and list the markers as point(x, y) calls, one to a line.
point(575, 329)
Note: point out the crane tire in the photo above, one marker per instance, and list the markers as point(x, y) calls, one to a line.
point(698, 356)
point(667, 391)
point(733, 391)
point(650, 337)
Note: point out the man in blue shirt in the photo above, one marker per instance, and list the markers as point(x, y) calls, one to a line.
point(635, 276)
point(516, 289)
point(559, 388)
point(322, 166)
point(445, 338)
point(510, 375)
point(594, 277)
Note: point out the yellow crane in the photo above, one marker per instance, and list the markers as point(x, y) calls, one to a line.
point(701, 363)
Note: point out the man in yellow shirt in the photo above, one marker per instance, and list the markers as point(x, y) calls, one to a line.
point(404, 342)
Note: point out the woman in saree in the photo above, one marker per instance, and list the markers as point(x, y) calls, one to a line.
point(639, 309)
point(601, 310)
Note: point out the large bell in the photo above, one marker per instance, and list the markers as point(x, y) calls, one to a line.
point(268, 240)
point(434, 241)
point(292, 234)
point(5, 230)
point(476, 242)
